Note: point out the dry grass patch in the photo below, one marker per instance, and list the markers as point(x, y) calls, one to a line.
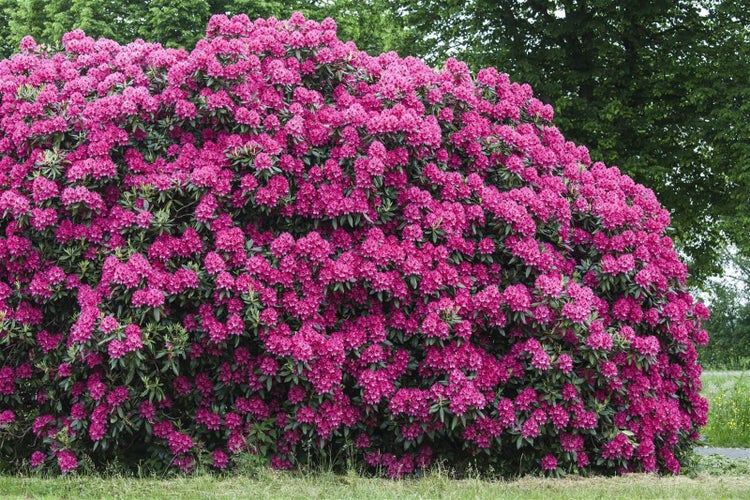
point(271, 484)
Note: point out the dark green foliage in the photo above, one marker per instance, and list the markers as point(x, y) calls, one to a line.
point(371, 23)
point(729, 325)
point(729, 328)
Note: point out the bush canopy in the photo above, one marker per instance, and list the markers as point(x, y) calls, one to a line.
point(280, 245)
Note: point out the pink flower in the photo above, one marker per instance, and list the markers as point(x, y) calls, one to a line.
point(7, 417)
point(67, 460)
point(530, 428)
point(486, 246)
point(179, 443)
point(7, 380)
point(608, 369)
point(28, 44)
point(571, 442)
point(64, 370)
point(576, 312)
point(108, 324)
point(37, 459)
point(96, 387)
point(564, 363)
point(540, 360)
point(648, 346)
point(116, 349)
point(48, 342)
point(211, 420)
point(549, 462)
point(262, 161)
point(220, 459)
point(526, 398)
point(550, 285)
point(185, 109)
point(117, 397)
point(78, 411)
point(41, 424)
point(147, 410)
point(281, 463)
point(600, 341)
point(185, 463)
point(149, 297)
point(518, 298)
point(559, 416)
point(206, 208)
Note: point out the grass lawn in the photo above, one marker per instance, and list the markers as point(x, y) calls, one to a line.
point(271, 484)
point(728, 395)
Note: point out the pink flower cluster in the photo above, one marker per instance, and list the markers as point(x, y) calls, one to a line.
point(276, 241)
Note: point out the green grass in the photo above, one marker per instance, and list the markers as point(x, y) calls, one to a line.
point(705, 477)
point(270, 484)
point(728, 395)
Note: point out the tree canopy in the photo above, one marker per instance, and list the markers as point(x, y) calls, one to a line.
point(181, 23)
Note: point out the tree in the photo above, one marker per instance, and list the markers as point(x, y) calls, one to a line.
point(176, 23)
point(371, 23)
point(7, 42)
point(47, 20)
point(729, 324)
point(724, 105)
point(654, 87)
point(21, 21)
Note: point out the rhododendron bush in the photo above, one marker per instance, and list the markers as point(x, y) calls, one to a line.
point(277, 244)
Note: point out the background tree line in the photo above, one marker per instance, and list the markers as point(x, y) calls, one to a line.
point(180, 23)
point(660, 88)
